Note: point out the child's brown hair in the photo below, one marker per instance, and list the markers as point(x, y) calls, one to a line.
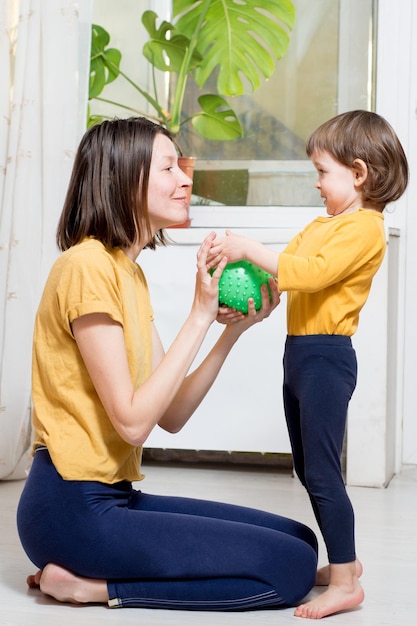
point(367, 136)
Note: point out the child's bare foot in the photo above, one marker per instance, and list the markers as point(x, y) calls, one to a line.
point(344, 592)
point(323, 574)
point(65, 586)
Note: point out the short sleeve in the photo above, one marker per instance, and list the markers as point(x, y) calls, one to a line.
point(88, 284)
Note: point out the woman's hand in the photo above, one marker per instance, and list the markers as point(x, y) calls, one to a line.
point(206, 294)
point(270, 300)
point(227, 315)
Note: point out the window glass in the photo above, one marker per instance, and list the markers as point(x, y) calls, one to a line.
point(327, 69)
point(301, 93)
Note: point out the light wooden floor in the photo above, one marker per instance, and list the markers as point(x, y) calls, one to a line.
point(386, 540)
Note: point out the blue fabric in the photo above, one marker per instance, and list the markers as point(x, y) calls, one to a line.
point(319, 379)
point(164, 552)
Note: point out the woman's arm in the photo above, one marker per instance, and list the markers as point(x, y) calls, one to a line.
point(197, 384)
point(101, 344)
point(167, 396)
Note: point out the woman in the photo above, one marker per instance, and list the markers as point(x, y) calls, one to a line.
point(102, 382)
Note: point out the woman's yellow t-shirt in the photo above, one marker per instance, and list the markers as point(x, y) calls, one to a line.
point(68, 416)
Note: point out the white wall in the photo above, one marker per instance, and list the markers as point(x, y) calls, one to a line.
point(397, 100)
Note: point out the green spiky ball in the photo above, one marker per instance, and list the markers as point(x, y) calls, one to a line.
point(240, 281)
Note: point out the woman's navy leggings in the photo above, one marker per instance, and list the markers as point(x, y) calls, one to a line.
point(164, 552)
point(319, 379)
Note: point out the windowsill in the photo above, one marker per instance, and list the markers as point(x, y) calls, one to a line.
point(252, 216)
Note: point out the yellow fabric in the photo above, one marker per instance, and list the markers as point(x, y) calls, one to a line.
point(327, 270)
point(68, 416)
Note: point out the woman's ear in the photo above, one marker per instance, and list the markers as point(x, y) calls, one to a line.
point(361, 172)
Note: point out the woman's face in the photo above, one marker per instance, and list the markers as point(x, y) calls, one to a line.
point(167, 186)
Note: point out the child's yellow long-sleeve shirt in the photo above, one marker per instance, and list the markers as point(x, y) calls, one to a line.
point(327, 270)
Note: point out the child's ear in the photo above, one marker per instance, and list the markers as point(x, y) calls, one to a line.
point(361, 171)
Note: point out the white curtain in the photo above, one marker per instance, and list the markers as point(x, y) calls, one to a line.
point(44, 59)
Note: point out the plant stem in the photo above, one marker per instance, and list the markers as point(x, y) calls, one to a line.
point(162, 116)
point(128, 108)
point(175, 121)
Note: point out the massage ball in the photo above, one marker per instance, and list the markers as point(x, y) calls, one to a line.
point(240, 281)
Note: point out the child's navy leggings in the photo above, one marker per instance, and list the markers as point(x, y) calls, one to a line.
point(319, 379)
point(164, 552)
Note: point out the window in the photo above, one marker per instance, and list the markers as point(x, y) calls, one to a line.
point(327, 69)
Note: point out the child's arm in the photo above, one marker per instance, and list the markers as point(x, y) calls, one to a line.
point(237, 248)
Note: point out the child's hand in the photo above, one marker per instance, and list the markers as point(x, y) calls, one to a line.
point(231, 246)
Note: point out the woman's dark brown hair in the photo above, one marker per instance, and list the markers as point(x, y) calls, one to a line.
point(367, 136)
point(107, 192)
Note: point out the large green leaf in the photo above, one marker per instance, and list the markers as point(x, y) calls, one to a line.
point(166, 48)
point(104, 63)
point(242, 37)
point(216, 121)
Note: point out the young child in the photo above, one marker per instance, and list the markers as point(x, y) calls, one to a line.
point(327, 271)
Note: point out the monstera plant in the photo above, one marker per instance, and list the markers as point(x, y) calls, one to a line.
point(235, 43)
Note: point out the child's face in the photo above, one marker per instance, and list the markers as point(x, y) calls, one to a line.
point(336, 183)
point(167, 186)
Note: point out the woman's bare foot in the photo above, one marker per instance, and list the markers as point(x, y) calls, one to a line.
point(34, 579)
point(65, 586)
point(344, 592)
point(323, 574)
